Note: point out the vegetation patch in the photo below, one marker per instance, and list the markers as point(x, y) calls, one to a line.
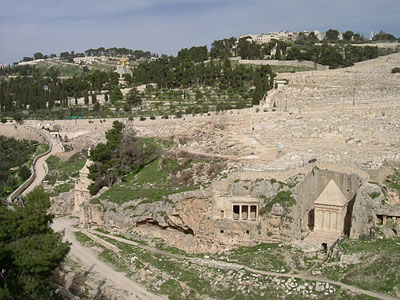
point(374, 195)
point(84, 239)
point(265, 256)
point(141, 168)
point(393, 182)
point(379, 268)
point(284, 198)
point(14, 163)
point(30, 251)
point(172, 289)
point(396, 70)
point(60, 170)
point(150, 184)
point(61, 188)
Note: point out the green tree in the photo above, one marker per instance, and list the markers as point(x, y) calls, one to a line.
point(332, 35)
point(115, 95)
point(38, 55)
point(86, 99)
point(132, 98)
point(384, 36)
point(121, 154)
point(94, 101)
point(18, 117)
point(348, 35)
point(222, 48)
point(30, 250)
point(24, 172)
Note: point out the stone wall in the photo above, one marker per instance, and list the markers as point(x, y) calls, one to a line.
point(20, 132)
point(284, 173)
point(28, 133)
point(292, 63)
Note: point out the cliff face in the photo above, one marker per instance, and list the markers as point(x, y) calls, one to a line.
point(233, 213)
point(376, 212)
point(190, 220)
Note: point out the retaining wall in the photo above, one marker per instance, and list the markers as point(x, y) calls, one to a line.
point(292, 63)
point(27, 133)
point(282, 174)
point(21, 132)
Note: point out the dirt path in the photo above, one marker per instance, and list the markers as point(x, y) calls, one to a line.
point(40, 167)
point(233, 266)
point(88, 259)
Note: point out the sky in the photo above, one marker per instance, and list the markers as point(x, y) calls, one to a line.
point(166, 26)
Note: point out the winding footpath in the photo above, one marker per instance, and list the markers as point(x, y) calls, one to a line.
point(237, 267)
point(40, 167)
point(84, 255)
point(88, 259)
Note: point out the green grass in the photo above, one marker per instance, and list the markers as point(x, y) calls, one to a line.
point(178, 278)
point(284, 198)
point(110, 257)
point(374, 195)
point(393, 182)
point(172, 289)
point(149, 184)
point(95, 201)
point(266, 256)
point(379, 269)
point(64, 68)
point(84, 239)
point(188, 274)
point(40, 149)
point(61, 188)
point(62, 170)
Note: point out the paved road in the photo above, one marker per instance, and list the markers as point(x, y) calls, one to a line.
point(88, 259)
point(233, 266)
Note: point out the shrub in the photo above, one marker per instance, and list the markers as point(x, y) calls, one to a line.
point(24, 172)
point(396, 70)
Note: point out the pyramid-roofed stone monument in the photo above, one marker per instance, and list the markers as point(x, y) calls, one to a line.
point(331, 196)
point(330, 212)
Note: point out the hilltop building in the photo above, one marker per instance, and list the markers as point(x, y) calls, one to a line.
point(122, 69)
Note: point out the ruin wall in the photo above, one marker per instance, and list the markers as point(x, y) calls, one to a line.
point(292, 63)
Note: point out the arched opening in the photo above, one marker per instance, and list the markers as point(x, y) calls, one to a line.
point(325, 247)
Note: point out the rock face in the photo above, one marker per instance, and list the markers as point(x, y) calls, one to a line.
point(375, 210)
point(62, 204)
point(244, 212)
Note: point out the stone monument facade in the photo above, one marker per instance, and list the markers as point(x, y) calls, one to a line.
point(330, 210)
point(81, 191)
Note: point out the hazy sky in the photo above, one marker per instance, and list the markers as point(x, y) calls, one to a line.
point(165, 26)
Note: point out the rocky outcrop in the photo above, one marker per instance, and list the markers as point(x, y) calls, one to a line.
point(190, 210)
point(63, 204)
point(374, 210)
point(202, 220)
